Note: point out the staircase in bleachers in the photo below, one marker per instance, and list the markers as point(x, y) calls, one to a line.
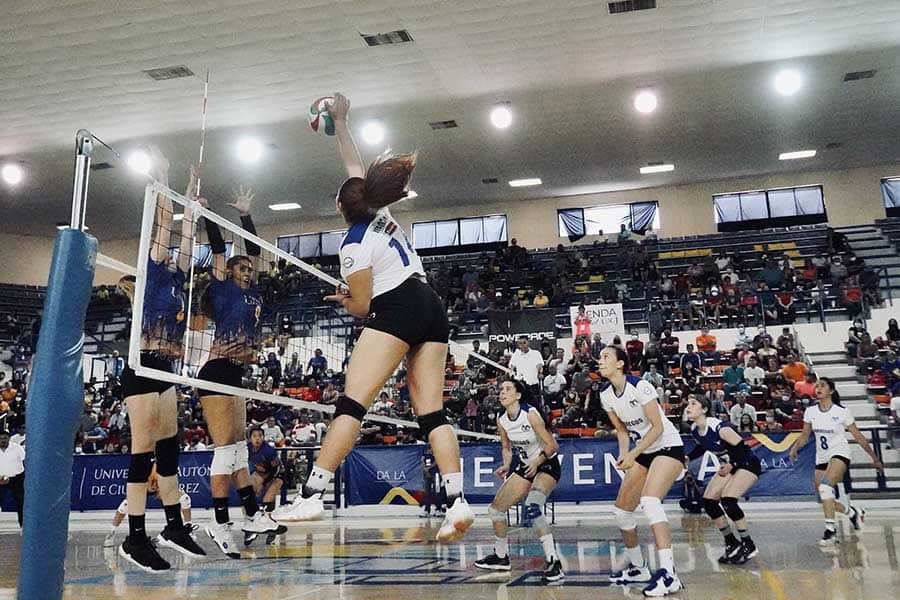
point(878, 245)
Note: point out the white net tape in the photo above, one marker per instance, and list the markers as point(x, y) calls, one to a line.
point(194, 353)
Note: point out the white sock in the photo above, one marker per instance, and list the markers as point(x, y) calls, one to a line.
point(667, 560)
point(501, 547)
point(829, 524)
point(317, 480)
point(634, 556)
point(549, 547)
point(453, 483)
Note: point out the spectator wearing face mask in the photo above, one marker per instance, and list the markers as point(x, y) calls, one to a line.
point(635, 350)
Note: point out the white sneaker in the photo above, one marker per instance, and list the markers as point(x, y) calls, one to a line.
point(261, 522)
point(663, 583)
point(301, 509)
point(457, 521)
point(631, 574)
point(221, 535)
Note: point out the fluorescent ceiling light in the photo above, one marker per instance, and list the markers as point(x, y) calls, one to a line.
point(285, 206)
point(524, 182)
point(645, 101)
point(501, 117)
point(373, 132)
point(139, 161)
point(795, 155)
point(788, 82)
point(657, 169)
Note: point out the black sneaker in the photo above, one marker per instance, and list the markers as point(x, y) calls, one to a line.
point(143, 555)
point(180, 539)
point(856, 518)
point(553, 571)
point(492, 562)
point(731, 551)
point(747, 551)
point(829, 538)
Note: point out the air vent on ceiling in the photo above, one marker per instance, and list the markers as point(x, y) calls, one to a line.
point(451, 124)
point(101, 166)
point(164, 73)
point(400, 36)
point(625, 6)
point(857, 75)
point(489, 180)
point(834, 145)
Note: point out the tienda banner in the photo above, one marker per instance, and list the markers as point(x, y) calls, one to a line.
point(394, 474)
point(538, 325)
point(606, 319)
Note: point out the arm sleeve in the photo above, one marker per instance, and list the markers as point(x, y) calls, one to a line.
point(251, 247)
point(216, 241)
point(355, 257)
point(646, 393)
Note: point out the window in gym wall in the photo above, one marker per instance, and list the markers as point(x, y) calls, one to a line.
point(606, 219)
point(758, 209)
point(311, 245)
point(890, 192)
point(459, 232)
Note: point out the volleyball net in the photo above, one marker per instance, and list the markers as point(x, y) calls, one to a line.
point(269, 279)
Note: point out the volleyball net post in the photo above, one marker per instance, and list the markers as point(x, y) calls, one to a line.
point(56, 397)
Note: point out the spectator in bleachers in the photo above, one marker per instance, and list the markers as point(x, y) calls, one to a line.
point(766, 351)
point(527, 365)
point(807, 387)
point(690, 375)
point(892, 335)
point(115, 366)
point(635, 350)
point(272, 432)
point(786, 311)
point(669, 346)
point(866, 355)
point(760, 338)
point(690, 357)
point(293, 372)
point(597, 346)
point(318, 364)
point(740, 409)
point(852, 297)
point(733, 378)
point(794, 371)
point(655, 378)
point(581, 382)
point(554, 384)
point(742, 338)
point(558, 360)
point(854, 336)
point(771, 274)
point(273, 369)
point(786, 338)
point(706, 345)
point(541, 300)
point(837, 270)
point(754, 375)
point(330, 394)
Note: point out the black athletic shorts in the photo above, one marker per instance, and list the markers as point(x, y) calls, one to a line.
point(133, 385)
point(550, 466)
point(824, 466)
point(676, 452)
point(753, 466)
point(412, 312)
point(221, 370)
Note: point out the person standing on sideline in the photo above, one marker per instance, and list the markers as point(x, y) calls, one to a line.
point(528, 364)
point(12, 472)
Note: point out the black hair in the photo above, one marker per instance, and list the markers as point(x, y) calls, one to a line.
point(385, 182)
point(520, 388)
point(835, 395)
point(705, 403)
point(620, 355)
point(255, 428)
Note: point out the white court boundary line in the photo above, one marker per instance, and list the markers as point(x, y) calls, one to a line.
point(140, 273)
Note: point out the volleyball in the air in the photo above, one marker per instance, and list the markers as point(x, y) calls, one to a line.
point(319, 119)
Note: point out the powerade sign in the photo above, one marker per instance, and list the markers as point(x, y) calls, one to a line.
point(393, 474)
point(508, 326)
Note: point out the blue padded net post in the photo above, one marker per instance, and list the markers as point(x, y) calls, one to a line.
point(55, 403)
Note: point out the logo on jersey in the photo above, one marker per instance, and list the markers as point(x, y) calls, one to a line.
point(633, 402)
point(391, 228)
point(835, 419)
point(348, 262)
point(526, 427)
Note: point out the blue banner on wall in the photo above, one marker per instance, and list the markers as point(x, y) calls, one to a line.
point(386, 474)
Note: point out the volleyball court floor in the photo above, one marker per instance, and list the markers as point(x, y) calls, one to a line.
point(393, 558)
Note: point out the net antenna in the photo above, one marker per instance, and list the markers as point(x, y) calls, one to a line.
point(150, 200)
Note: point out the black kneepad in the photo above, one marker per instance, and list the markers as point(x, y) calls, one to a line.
point(712, 508)
point(732, 509)
point(140, 467)
point(167, 457)
point(431, 421)
point(350, 407)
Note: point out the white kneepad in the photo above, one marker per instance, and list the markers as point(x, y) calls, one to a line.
point(496, 516)
point(241, 456)
point(223, 460)
point(826, 491)
point(653, 509)
point(624, 518)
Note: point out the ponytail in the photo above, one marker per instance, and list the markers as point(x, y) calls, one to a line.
point(835, 395)
point(387, 178)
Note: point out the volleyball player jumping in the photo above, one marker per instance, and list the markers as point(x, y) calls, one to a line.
point(151, 404)
point(651, 467)
point(234, 302)
point(531, 467)
point(829, 421)
point(404, 317)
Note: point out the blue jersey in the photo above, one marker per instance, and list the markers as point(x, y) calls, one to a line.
point(711, 441)
point(263, 461)
point(164, 314)
point(236, 312)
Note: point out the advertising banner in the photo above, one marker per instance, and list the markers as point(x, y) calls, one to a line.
point(606, 319)
point(539, 325)
point(383, 475)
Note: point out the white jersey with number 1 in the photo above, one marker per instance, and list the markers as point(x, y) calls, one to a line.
point(829, 431)
point(382, 245)
point(629, 408)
